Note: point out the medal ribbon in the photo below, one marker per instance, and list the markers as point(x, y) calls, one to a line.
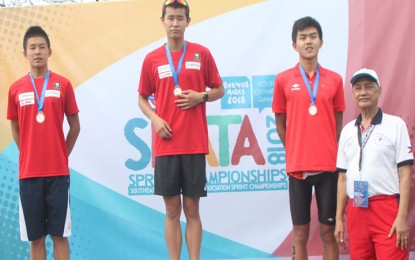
point(313, 93)
point(362, 143)
point(179, 66)
point(40, 100)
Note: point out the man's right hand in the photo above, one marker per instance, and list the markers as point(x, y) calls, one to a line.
point(161, 127)
point(339, 233)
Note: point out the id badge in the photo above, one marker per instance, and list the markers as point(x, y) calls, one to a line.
point(361, 191)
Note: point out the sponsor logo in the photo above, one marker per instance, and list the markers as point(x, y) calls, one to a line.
point(164, 71)
point(26, 95)
point(27, 102)
point(53, 93)
point(295, 87)
point(192, 65)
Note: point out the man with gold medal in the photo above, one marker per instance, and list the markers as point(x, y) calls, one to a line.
point(178, 74)
point(308, 104)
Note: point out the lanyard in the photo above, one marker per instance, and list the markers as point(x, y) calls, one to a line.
point(362, 143)
point(40, 100)
point(313, 93)
point(179, 66)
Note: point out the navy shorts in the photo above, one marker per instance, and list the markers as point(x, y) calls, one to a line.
point(180, 174)
point(301, 193)
point(44, 207)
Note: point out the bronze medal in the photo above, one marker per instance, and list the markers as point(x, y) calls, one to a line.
point(40, 117)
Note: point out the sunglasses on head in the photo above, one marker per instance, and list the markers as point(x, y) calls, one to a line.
point(182, 2)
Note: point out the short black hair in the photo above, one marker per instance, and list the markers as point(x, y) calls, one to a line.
point(35, 31)
point(176, 5)
point(304, 23)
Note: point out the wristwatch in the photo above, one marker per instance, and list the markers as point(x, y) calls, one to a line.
point(205, 97)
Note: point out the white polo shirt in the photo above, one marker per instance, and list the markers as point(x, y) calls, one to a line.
point(387, 148)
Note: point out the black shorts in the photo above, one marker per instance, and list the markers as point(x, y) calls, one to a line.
point(180, 174)
point(301, 192)
point(44, 207)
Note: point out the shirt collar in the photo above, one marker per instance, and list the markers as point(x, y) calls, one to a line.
point(298, 72)
point(375, 121)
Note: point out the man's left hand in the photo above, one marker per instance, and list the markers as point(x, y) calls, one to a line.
point(188, 99)
point(400, 227)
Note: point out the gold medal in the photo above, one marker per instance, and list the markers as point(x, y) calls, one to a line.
point(177, 91)
point(312, 110)
point(40, 117)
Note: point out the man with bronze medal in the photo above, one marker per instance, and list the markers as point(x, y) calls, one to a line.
point(37, 105)
point(308, 104)
point(178, 74)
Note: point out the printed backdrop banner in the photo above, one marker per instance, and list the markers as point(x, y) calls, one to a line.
point(100, 48)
